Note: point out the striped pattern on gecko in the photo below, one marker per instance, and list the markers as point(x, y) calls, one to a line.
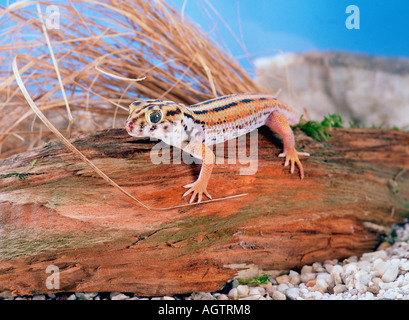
point(194, 128)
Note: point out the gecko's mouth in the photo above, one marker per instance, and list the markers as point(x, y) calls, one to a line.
point(130, 128)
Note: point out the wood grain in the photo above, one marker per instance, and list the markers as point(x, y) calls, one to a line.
point(356, 185)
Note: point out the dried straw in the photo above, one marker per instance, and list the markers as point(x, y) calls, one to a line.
point(76, 79)
point(102, 49)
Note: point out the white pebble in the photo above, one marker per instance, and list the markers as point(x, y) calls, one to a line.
point(307, 269)
point(38, 297)
point(404, 265)
point(292, 293)
point(120, 296)
point(222, 297)
point(392, 272)
point(336, 274)
point(326, 277)
point(242, 290)
point(253, 291)
point(255, 297)
point(316, 295)
point(372, 256)
point(381, 266)
point(85, 295)
point(294, 277)
point(305, 277)
point(339, 288)
point(328, 267)
point(362, 278)
point(282, 287)
point(233, 293)
point(71, 297)
point(277, 295)
point(318, 267)
point(367, 296)
point(283, 279)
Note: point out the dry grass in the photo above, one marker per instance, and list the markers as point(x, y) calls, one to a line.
point(102, 49)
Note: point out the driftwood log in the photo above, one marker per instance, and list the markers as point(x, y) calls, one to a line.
point(60, 213)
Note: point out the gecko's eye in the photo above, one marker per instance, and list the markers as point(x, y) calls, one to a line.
point(155, 116)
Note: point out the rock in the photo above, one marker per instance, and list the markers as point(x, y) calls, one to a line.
point(277, 295)
point(316, 295)
point(242, 290)
point(233, 293)
point(339, 288)
point(38, 297)
point(336, 274)
point(292, 293)
point(307, 269)
point(72, 297)
point(254, 291)
point(164, 298)
point(119, 296)
point(305, 277)
point(222, 297)
point(373, 285)
point(270, 289)
point(328, 267)
point(381, 266)
point(113, 294)
point(318, 267)
point(310, 283)
point(392, 271)
point(235, 283)
point(254, 297)
point(6, 295)
point(404, 265)
point(282, 287)
point(86, 295)
point(261, 290)
point(372, 256)
point(198, 295)
point(321, 285)
point(295, 277)
point(363, 278)
point(283, 279)
point(325, 277)
point(357, 86)
point(367, 296)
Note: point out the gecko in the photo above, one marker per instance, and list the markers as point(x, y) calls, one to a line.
point(195, 128)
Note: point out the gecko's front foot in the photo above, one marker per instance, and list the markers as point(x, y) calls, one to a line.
point(198, 188)
point(291, 156)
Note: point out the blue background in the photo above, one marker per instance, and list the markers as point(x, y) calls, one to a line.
point(271, 26)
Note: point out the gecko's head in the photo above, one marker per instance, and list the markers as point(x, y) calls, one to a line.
point(153, 118)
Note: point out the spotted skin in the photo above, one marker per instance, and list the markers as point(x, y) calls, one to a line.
point(194, 128)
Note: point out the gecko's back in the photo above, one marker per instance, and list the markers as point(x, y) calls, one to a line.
point(231, 116)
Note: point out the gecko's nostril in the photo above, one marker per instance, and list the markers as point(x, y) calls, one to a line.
point(129, 125)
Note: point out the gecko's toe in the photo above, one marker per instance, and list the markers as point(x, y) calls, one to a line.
point(198, 189)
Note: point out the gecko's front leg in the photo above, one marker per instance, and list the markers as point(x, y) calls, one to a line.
point(199, 187)
point(277, 122)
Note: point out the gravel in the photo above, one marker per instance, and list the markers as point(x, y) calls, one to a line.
point(379, 275)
